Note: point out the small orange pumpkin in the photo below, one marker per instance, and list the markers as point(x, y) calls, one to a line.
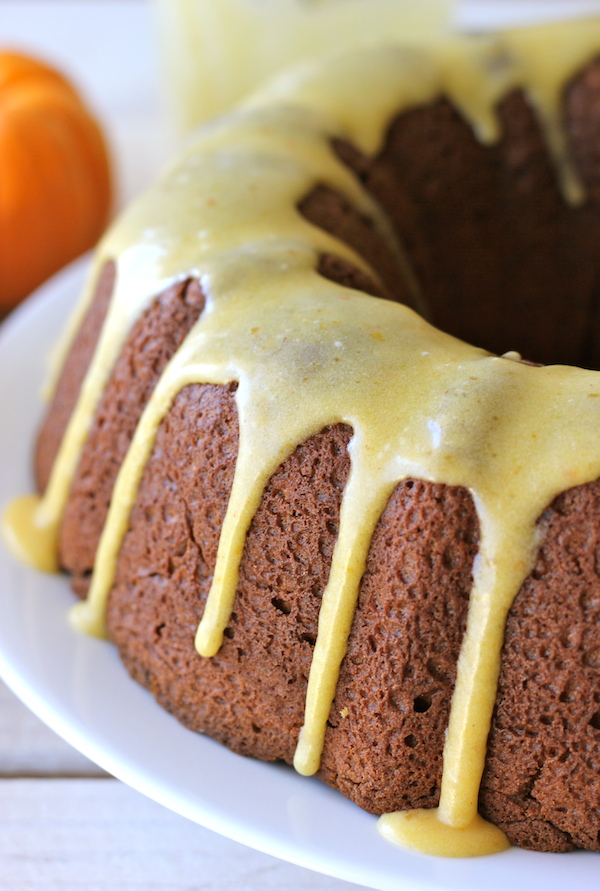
point(55, 183)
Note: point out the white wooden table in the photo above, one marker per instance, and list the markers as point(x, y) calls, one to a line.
point(64, 823)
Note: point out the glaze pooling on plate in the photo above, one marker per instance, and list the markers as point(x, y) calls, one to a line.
point(420, 403)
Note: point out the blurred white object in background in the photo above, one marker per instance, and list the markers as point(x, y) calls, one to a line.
point(216, 51)
point(492, 15)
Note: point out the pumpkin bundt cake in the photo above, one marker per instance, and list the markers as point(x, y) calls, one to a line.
point(321, 529)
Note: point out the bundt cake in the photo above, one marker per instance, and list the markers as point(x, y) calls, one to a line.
point(384, 541)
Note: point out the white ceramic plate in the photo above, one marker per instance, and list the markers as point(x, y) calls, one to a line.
point(78, 686)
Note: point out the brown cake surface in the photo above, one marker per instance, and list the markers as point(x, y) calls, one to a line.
point(472, 220)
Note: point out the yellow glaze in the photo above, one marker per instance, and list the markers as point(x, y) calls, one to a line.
point(421, 404)
point(424, 832)
point(30, 538)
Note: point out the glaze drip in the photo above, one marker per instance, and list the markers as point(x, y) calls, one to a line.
point(421, 403)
